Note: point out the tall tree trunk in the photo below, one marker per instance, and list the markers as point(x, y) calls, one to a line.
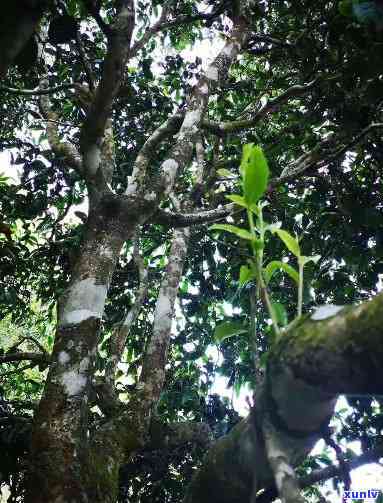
point(59, 436)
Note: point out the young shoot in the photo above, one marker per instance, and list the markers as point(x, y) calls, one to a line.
point(254, 178)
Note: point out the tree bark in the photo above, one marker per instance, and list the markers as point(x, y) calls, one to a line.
point(59, 438)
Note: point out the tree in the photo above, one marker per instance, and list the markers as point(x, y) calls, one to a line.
point(152, 142)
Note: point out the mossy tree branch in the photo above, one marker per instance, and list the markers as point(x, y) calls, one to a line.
point(332, 352)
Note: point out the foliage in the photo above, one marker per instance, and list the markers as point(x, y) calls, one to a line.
point(254, 181)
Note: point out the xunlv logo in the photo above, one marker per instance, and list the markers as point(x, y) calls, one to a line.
point(357, 495)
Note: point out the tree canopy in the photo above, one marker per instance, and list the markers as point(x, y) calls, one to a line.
point(187, 183)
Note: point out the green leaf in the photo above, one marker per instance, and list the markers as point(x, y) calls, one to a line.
point(228, 329)
point(276, 265)
point(238, 383)
point(242, 233)
point(245, 275)
point(237, 388)
point(182, 42)
point(280, 313)
point(225, 173)
point(305, 260)
point(237, 200)
point(290, 242)
point(4, 179)
point(255, 173)
point(184, 286)
point(246, 152)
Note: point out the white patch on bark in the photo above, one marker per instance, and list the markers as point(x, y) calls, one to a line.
point(170, 164)
point(73, 382)
point(323, 312)
point(284, 470)
point(212, 73)
point(84, 300)
point(204, 89)
point(150, 197)
point(163, 313)
point(77, 316)
point(92, 159)
point(131, 189)
point(192, 119)
point(63, 357)
point(169, 168)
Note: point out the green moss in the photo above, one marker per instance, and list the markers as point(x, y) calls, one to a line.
point(346, 344)
point(104, 459)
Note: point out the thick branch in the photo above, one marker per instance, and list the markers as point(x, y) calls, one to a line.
point(334, 351)
point(270, 106)
point(131, 427)
point(60, 423)
point(278, 457)
point(121, 333)
point(341, 354)
point(169, 127)
point(38, 358)
point(113, 70)
point(153, 368)
point(181, 153)
point(175, 219)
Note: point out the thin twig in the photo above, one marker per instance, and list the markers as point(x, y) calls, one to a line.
point(36, 92)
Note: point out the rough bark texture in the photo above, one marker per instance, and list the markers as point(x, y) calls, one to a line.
point(332, 352)
point(153, 370)
point(60, 425)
